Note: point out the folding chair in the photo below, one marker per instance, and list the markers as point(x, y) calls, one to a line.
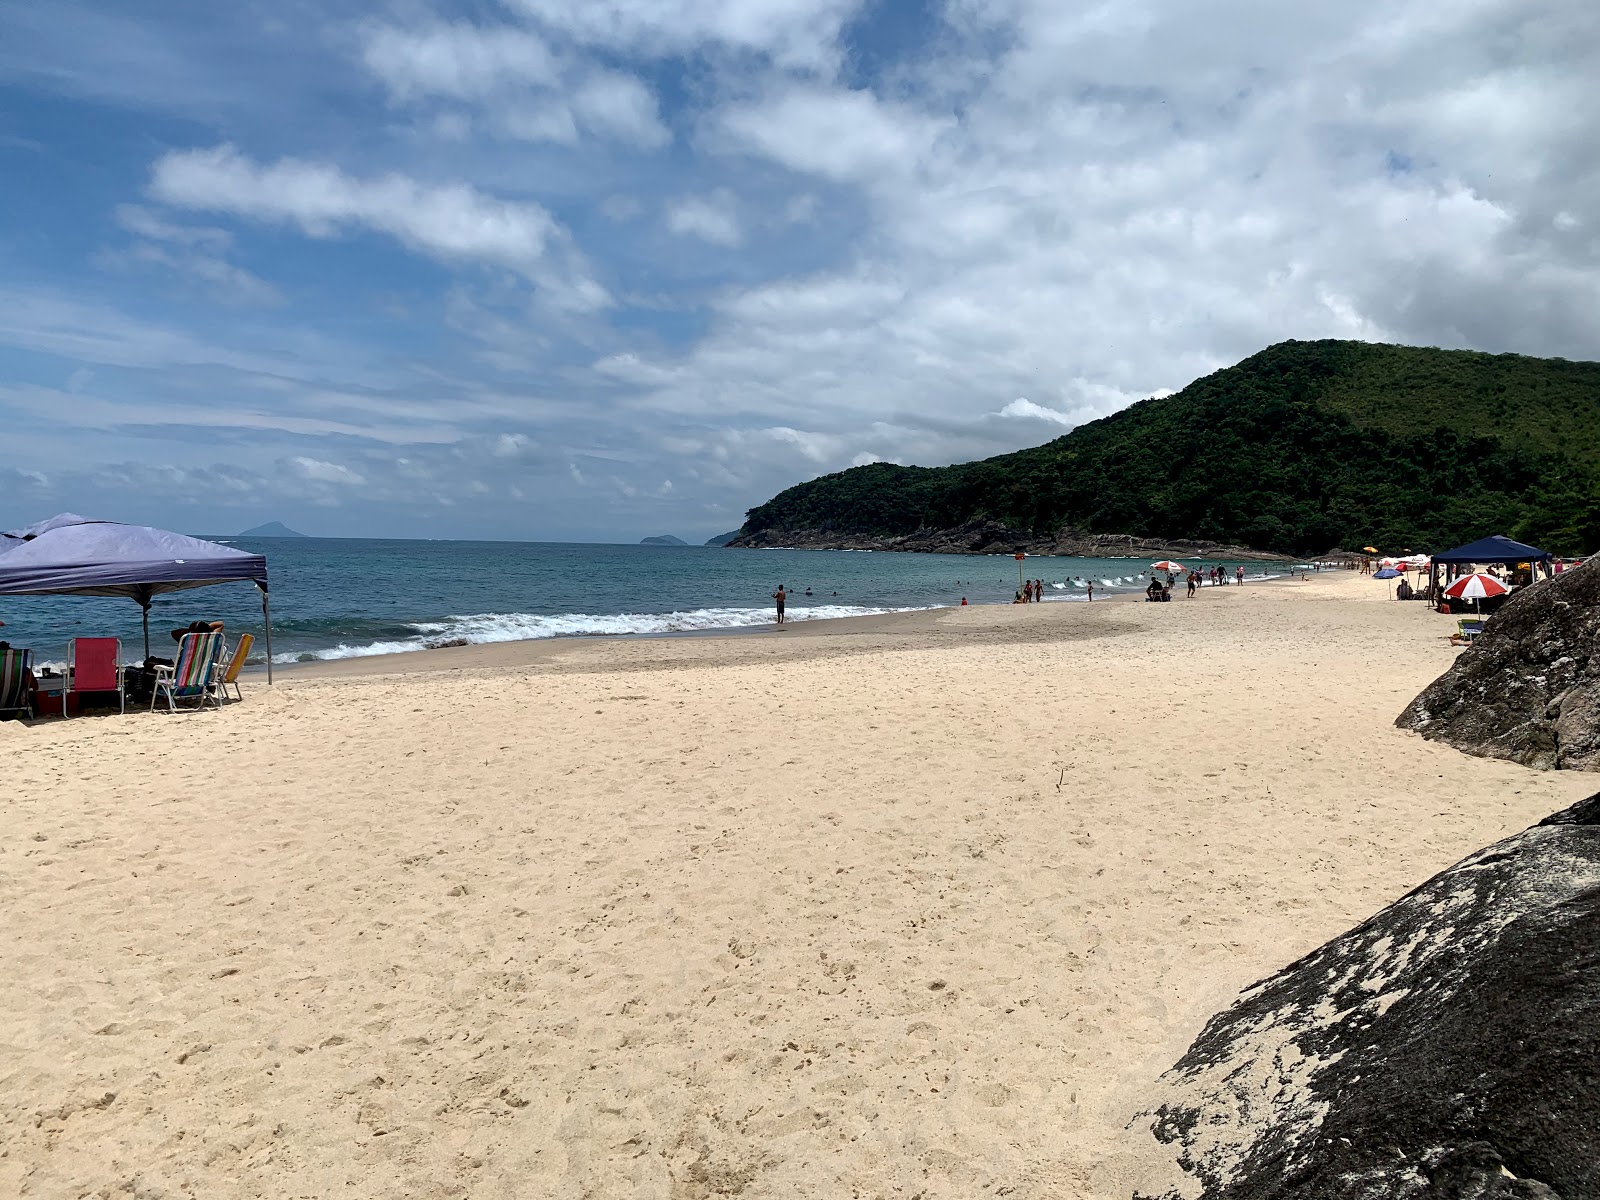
point(192, 675)
point(14, 665)
point(230, 676)
point(94, 665)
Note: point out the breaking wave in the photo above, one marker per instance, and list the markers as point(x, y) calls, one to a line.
point(482, 628)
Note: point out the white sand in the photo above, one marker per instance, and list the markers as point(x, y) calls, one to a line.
point(778, 915)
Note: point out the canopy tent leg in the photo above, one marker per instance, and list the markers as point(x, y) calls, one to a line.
point(266, 615)
point(146, 608)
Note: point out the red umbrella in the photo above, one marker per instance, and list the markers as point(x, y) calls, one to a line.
point(1476, 587)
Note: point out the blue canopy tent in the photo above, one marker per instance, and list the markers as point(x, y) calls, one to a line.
point(1498, 549)
point(69, 555)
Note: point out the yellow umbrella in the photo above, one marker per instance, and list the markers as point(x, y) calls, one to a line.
point(1370, 549)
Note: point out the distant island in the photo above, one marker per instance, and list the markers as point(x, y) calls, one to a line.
point(722, 539)
point(666, 539)
point(1301, 448)
point(271, 529)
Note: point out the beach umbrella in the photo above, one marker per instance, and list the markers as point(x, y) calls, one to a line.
point(1387, 573)
point(1476, 587)
point(1166, 564)
point(1370, 549)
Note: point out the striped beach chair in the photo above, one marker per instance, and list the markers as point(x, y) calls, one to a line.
point(230, 676)
point(193, 675)
point(14, 666)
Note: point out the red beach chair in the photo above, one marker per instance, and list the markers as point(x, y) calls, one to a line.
point(94, 665)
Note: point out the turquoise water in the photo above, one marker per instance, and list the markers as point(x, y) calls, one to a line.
point(342, 598)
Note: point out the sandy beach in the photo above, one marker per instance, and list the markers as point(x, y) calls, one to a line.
point(907, 906)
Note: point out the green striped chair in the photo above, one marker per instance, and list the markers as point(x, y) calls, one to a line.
point(14, 666)
point(193, 675)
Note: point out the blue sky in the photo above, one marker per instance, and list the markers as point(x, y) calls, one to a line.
point(547, 269)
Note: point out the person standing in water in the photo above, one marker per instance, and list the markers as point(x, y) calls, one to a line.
point(1091, 589)
point(782, 597)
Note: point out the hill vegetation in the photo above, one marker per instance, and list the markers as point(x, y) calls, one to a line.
point(1300, 448)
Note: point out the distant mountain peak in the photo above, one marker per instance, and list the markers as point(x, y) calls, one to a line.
point(722, 539)
point(271, 529)
point(665, 539)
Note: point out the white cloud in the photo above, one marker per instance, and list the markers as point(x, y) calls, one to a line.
point(834, 132)
point(620, 106)
point(463, 61)
point(517, 84)
point(317, 471)
point(1023, 407)
point(195, 253)
point(713, 218)
point(794, 33)
point(452, 222)
point(446, 221)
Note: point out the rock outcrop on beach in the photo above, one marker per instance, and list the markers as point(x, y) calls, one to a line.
point(1528, 687)
point(985, 536)
point(1446, 1049)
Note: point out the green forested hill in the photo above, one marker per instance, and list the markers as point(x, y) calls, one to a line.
point(1302, 447)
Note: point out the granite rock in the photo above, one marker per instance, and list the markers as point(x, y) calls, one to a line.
point(1447, 1049)
point(1528, 687)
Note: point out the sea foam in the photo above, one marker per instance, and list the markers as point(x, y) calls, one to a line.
point(484, 628)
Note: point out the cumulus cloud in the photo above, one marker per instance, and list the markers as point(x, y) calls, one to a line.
point(712, 218)
point(515, 82)
point(1023, 407)
point(453, 221)
point(463, 61)
point(318, 471)
point(838, 133)
point(793, 33)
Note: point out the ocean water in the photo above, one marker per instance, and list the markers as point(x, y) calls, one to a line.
point(344, 598)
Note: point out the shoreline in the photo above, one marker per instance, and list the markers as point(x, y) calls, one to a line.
point(527, 651)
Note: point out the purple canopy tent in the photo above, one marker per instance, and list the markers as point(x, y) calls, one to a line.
point(70, 555)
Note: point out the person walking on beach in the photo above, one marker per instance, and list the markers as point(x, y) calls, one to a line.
point(782, 597)
point(1194, 579)
point(1240, 575)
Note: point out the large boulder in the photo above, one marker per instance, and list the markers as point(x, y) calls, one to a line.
point(1528, 687)
point(1447, 1049)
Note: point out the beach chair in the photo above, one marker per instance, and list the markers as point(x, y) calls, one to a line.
point(14, 666)
point(193, 675)
point(1469, 627)
point(94, 665)
point(230, 675)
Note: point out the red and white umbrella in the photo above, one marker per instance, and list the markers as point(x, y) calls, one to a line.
point(1476, 587)
point(1166, 564)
